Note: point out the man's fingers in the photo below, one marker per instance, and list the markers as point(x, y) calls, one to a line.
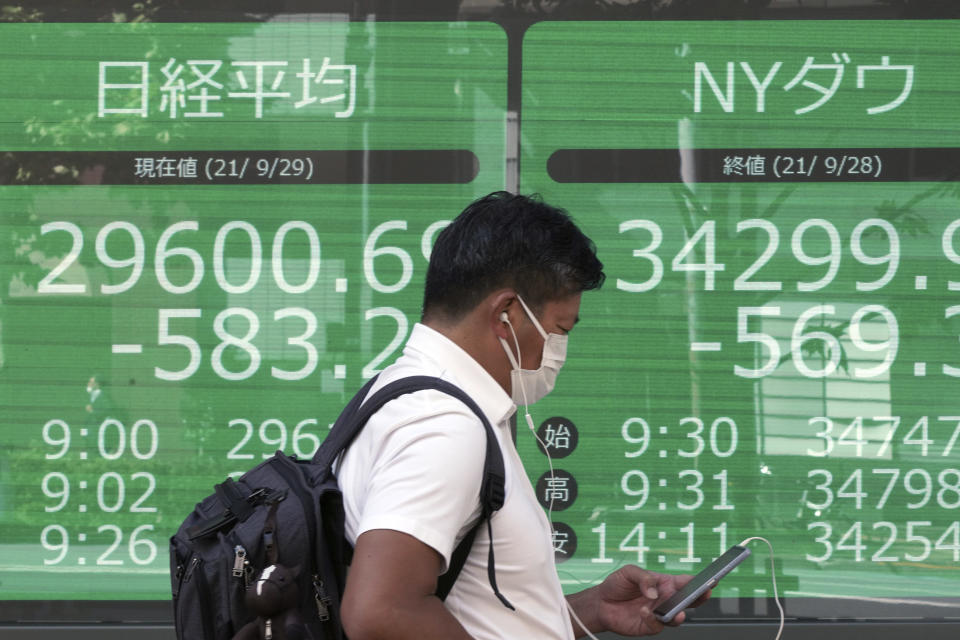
point(643, 580)
point(679, 581)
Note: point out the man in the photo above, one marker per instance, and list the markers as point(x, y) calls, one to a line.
point(99, 405)
point(502, 293)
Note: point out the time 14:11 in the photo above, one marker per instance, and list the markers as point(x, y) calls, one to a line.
point(633, 542)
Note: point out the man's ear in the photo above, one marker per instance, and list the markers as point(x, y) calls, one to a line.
point(502, 306)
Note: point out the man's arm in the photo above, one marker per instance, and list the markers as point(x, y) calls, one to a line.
point(624, 602)
point(390, 591)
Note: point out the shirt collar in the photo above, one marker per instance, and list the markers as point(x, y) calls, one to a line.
point(459, 367)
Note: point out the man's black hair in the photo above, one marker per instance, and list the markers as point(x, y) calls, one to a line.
point(507, 240)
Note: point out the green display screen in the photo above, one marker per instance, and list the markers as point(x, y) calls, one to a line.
point(210, 288)
point(777, 349)
point(214, 234)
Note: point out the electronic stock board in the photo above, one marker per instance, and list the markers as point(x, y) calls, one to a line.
point(215, 233)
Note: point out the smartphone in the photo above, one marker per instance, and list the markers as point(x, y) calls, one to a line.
point(703, 581)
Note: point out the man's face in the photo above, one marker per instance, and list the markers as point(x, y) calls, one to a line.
point(556, 316)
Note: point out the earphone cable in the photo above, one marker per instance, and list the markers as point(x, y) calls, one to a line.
point(773, 577)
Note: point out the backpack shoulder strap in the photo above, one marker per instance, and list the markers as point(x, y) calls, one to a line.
point(457, 560)
point(342, 432)
point(356, 414)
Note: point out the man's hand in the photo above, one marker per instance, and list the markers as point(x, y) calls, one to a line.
point(624, 602)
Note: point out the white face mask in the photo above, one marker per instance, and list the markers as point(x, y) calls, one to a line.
point(530, 385)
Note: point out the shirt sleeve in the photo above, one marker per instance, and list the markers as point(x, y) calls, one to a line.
point(425, 471)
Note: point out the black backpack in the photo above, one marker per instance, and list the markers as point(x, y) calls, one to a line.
point(290, 512)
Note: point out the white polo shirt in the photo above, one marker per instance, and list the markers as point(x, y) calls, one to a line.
point(417, 466)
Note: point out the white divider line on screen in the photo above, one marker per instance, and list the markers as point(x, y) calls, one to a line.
point(128, 348)
point(706, 346)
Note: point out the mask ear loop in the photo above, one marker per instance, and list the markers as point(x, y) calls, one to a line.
point(516, 343)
